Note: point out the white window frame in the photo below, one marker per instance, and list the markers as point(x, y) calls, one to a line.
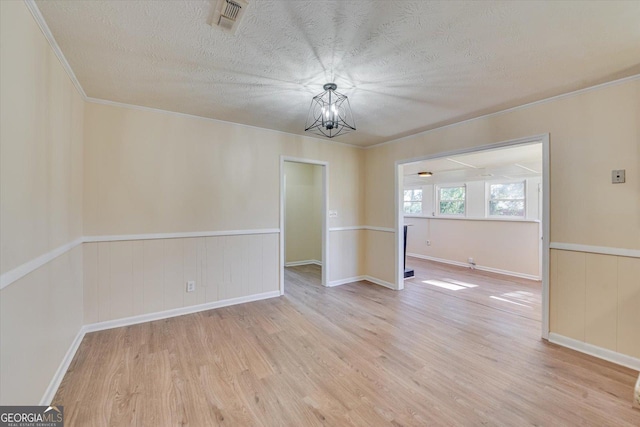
point(412, 201)
point(487, 198)
point(437, 204)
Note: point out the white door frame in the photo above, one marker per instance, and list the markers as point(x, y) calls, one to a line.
point(399, 214)
point(325, 216)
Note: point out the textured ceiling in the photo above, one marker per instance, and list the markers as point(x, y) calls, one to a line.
point(406, 66)
point(509, 163)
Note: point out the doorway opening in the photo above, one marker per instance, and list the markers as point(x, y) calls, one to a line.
point(477, 225)
point(303, 220)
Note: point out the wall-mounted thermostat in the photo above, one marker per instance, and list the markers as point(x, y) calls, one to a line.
point(617, 176)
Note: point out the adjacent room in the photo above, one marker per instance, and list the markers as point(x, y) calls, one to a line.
point(292, 213)
point(467, 214)
point(304, 219)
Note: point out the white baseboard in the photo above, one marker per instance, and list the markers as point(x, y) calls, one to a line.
point(303, 262)
point(346, 281)
point(150, 317)
point(127, 321)
point(371, 279)
point(380, 282)
point(593, 350)
point(51, 390)
point(477, 267)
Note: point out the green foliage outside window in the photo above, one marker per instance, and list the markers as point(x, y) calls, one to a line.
point(413, 201)
point(452, 200)
point(507, 199)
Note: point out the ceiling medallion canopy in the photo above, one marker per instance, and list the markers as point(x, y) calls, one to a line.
point(330, 113)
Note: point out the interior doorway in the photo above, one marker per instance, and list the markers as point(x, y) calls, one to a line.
point(484, 208)
point(303, 219)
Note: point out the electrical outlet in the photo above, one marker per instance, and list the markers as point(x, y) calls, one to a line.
point(617, 176)
point(428, 242)
point(470, 260)
point(191, 286)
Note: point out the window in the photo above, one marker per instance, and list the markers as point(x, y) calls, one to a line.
point(451, 200)
point(507, 199)
point(413, 201)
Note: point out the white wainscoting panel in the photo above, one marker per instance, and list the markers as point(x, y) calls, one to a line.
point(131, 278)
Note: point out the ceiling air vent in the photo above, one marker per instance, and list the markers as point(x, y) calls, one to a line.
point(228, 14)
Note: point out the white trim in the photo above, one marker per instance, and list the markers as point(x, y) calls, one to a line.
point(477, 267)
point(604, 250)
point(534, 139)
point(593, 350)
point(134, 320)
point(346, 281)
point(150, 317)
point(366, 278)
point(545, 219)
point(192, 116)
point(398, 217)
point(380, 282)
point(37, 16)
point(303, 262)
point(115, 238)
point(509, 110)
point(476, 218)
point(363, 227)
point(436, 208)
point(383, 229)
point(19, 272)
point(281, 214)
point(545, 232)
point(348, 228)
point(488, 199)
point(51, 390)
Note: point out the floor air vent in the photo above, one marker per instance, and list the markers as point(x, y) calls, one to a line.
point(228, 14)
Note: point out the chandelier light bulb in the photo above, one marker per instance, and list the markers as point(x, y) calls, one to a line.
point(330, 113)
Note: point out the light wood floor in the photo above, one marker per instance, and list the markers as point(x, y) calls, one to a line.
point(358, 354)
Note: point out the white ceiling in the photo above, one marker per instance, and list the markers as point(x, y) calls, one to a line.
point(407, 66)
point(512, 163)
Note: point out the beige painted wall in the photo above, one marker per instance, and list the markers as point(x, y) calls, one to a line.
point(591, 133)
point(349, 260)
point(511, 246)
point(41, 121)
point(151, 172)
point(379, 255)
point(68, 167)
point(303, 212)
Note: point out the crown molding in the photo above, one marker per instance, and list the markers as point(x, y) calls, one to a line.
point(511, 109)
point(37, 16)
point(193, 116)
point(33, 8)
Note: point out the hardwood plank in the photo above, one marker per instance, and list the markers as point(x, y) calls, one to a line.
point(357, 354)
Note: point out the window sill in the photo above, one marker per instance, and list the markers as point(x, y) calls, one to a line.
point(467, 218)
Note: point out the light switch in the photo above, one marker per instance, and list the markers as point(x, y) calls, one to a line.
point(617, 176)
